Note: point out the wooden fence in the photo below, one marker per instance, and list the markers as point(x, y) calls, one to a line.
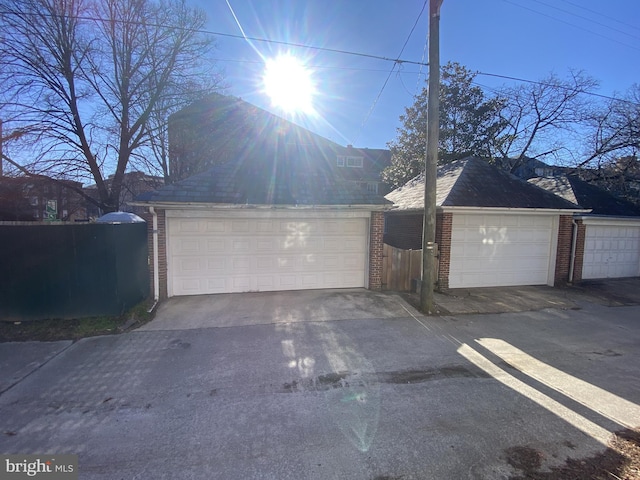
point(400, 267)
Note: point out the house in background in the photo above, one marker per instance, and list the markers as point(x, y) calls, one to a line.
point(492, 228)
point(265, 206)
point(38, 198)
point(607, 240)
point(221, 129)
point(133, 184)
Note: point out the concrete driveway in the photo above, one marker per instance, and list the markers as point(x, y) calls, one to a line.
point(238, 309)
point(407, 397)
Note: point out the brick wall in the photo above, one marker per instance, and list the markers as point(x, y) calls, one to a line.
point(444, 222)
point(578, 262)
point(162, 251)
point(375, 250)
point(563, 255)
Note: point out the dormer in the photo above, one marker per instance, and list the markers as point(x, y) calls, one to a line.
point(349, 161)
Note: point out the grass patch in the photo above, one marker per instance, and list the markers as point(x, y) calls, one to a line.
point(76, 328)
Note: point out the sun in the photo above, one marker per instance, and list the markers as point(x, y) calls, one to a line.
point(289, 84)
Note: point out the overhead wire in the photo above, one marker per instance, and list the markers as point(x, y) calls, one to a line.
point(375, 102)
point(424, 54)
point(397, 61)
point(570, 24)
point(587, 19)
point(577, 5)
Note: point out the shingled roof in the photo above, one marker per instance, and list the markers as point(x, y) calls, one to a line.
point(473, 182)
point(274, 174)
point(600, 201)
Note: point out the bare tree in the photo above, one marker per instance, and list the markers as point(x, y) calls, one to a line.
point(184, 94)
point(613, 130)
point(89, 76)
point(539, 117)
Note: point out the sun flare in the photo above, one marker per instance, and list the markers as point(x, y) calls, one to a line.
point(289, 84)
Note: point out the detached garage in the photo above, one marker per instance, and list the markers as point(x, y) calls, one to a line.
point(607, 241)
point(611, 247)
point(243, 251)
point(502, 249)
point(492, 229)
point(265, 224)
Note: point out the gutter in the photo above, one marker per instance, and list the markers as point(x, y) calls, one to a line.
point(156, 274)
point(574, 241)
point(496, 210)
point(235, 206)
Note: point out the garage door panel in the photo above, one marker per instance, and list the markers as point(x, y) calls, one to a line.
point(213, 226)
point(611, 251)
point(211, 255)
point(495, 250)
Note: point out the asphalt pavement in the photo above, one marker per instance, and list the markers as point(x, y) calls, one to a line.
point(406, 397)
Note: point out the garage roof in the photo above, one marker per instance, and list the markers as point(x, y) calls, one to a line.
point(473, 182)
point(582, 193)
point(298, 175)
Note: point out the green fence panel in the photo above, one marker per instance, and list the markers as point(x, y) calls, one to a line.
point(71, 270)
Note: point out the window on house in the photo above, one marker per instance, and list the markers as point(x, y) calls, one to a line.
point(354, 162)
point(345, 160)
point(372, 187)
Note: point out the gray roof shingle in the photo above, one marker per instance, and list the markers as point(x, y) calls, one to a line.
point(473, 182)
point(275, 174)
point(582, 193)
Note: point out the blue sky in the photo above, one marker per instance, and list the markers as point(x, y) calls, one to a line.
point(520, 38)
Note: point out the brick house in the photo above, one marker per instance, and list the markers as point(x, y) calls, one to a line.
point(38, 198)
point(492, 229)
point(220, 129)
point(276, 215)
point(133, 184)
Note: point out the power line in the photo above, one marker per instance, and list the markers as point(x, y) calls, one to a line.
point(587, 19)
point(547, 84)
point(602, 15)
point(375, 102)
point(231, 35)
point(424, 54)
point(570, 24)
point(396, 61)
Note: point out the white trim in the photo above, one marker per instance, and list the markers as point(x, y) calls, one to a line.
point(553, 250)
point(156, 262)
point(512, 211)
point(234, 206)
point(608, 221)
point(368, 262)
point(234, 213)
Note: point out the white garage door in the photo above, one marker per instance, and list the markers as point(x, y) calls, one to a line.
point(500, 250)
point(611, 251)
point(224, 255)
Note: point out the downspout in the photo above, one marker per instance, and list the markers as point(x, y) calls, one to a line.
point(574, 241)
point(156, 274)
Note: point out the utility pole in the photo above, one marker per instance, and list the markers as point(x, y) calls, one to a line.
point(429, 247)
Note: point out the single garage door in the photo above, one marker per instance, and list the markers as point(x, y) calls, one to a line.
point(225, 255)
point(611, 251)
point(500, 250)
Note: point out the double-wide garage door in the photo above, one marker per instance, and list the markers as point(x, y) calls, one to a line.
point(501, 250)
point(610, 250)
point(222, 254)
